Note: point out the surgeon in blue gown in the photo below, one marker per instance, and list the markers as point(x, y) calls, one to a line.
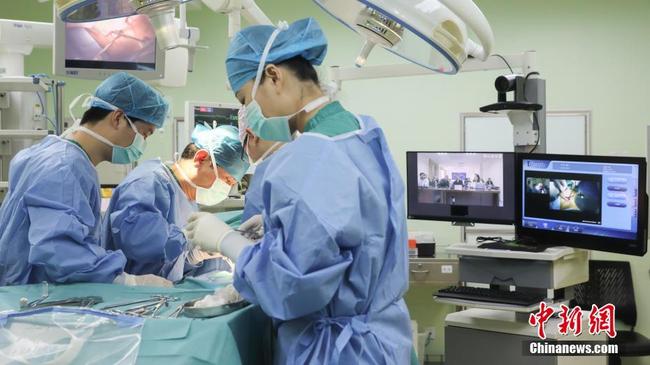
point(149, 209)
point(49, 221)
point(331, 268)
point(259, 152)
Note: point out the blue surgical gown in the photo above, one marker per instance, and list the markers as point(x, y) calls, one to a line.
point(145, 219)
point(49, 221)
point(253, 198)
point(332, 266)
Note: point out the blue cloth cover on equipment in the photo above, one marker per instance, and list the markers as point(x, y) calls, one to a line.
point(239, 338)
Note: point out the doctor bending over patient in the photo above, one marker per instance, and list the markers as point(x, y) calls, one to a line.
point(151, 206)
point(49, 221)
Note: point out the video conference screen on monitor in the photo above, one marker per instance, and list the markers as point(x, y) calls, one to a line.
point(579, 196)
point(127, 43)
point(463, 187)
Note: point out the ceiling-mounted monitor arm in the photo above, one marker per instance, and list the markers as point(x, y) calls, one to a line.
point(235, 9)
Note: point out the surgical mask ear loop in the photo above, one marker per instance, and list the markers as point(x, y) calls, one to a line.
point(268, 152)
point(177, 157)
point(282, 26)
point(214, 167)
point(131, 124)
point(76, 122)
point(185, 177)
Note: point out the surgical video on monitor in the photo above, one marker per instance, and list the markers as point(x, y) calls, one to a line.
point(127, 43)
point(467, 179)
point(570, 197)
point(581, 197)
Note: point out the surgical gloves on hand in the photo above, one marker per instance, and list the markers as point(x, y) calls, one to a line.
point(206, 231)
point(253, 228)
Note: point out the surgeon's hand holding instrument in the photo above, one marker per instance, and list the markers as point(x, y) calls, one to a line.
point(206, 231)
point(253, 228)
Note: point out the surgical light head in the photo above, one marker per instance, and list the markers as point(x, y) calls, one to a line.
point(161, 13)
point(430, 33)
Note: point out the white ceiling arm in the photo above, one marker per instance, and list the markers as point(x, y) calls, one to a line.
point(248, 8)
point(253, 13)
point(523, 61)
point(234, 9)
point(234, 23)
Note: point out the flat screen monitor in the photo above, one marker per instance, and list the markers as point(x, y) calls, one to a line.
point(211, 113)
point(589, 202)
point(470, 187)
point(96, 50)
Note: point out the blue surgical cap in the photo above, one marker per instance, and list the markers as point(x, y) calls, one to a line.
point(303, 38)
point(225, 146)
point(132, 95)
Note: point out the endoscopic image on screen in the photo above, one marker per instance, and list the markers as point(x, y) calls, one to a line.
point(124, 40)
point(537, 186)
point(574, 195)
point(576, 199)
point(467, 179)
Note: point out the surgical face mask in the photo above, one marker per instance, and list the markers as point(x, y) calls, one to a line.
point(213, 195)
point(217, 193)
point(121, 155)
point(271, 128)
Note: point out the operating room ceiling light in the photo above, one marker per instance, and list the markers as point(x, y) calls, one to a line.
point(160, 12)
point(430, 33)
